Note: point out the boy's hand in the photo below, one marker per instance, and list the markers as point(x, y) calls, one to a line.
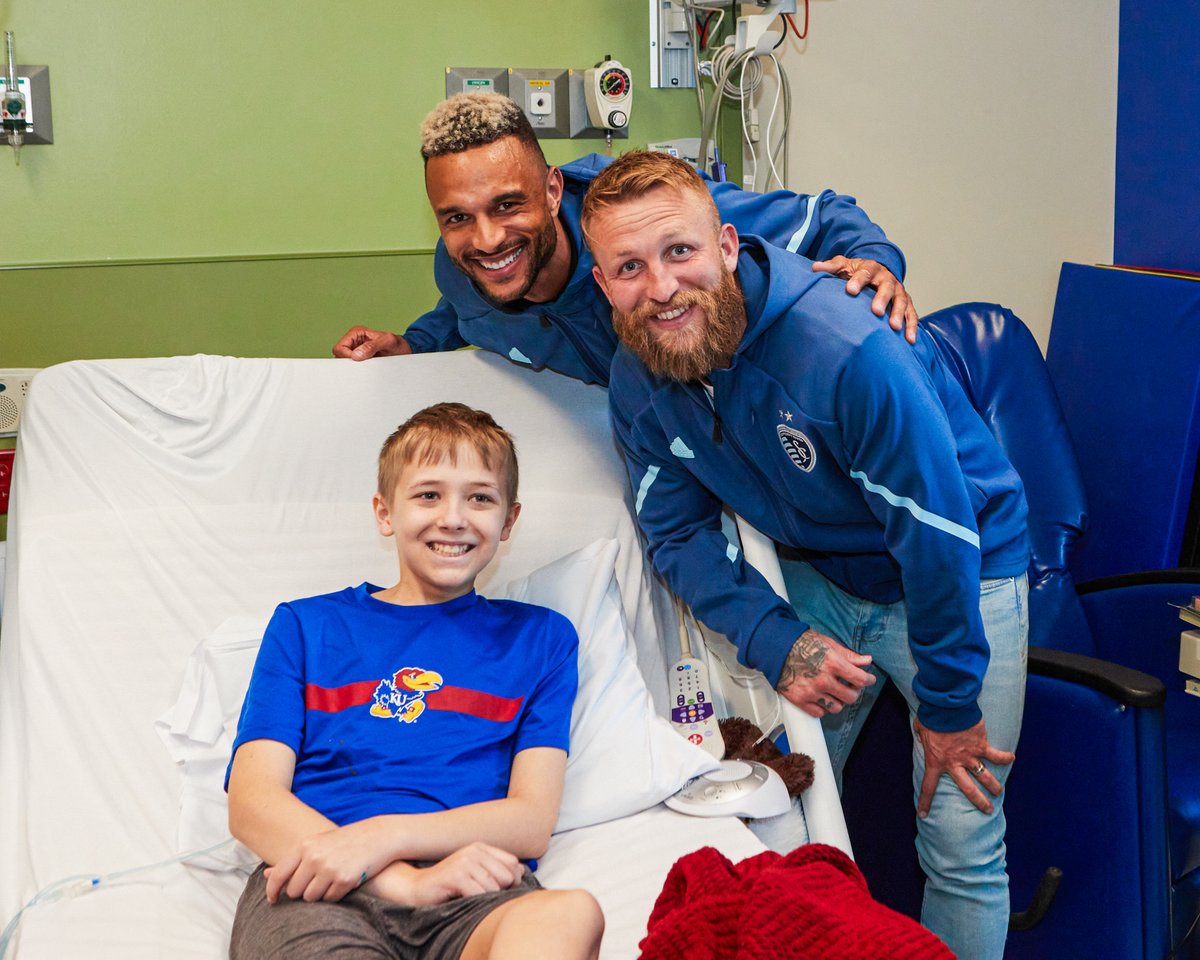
point(326, 866)
point(476, 868)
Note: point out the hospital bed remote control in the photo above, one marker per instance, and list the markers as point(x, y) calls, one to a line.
point(692, 712)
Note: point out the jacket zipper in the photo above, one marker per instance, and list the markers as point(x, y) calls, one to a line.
point(564, 327)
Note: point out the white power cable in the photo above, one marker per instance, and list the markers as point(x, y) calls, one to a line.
point(753, 172)
point(779, 82)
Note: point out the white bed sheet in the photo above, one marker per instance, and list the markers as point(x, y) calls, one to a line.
point(186, 914)
point(153, 500)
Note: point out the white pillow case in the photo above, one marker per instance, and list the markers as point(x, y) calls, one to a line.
point(624, 757)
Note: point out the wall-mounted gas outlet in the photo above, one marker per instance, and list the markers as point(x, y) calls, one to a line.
point(554, 100)
point(34, 83)
point(476, 80)
point(581, 123)
point(545, 97)
point(14, 388)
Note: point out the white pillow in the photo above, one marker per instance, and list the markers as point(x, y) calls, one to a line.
point(624, 757)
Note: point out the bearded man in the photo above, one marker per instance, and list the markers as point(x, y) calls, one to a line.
point(745, 378)
point(513, 270)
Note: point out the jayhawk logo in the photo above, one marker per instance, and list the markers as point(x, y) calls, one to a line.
point(798, 448)
point(403, 697)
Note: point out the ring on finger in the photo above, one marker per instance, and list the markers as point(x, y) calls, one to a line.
point(978, 768)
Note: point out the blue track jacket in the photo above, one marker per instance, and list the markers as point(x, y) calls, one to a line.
point(573, 334)
point(828, 433)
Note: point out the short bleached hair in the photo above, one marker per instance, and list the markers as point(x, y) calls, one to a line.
point(435, 433)
point(468, 120)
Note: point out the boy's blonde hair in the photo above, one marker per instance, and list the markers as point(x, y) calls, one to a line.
point(435, 432)
point(637, 173)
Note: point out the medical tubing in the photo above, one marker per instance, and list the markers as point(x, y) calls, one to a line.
point(75, 886)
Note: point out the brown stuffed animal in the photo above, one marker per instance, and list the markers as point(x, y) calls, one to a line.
point(740, 735)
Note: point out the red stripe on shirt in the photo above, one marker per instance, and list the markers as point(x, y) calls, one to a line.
point(475, 703)
point(333, 699)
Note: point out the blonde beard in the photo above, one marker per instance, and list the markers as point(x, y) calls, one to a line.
point(693, 352)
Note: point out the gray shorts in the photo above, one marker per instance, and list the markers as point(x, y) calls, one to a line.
point(358, 925)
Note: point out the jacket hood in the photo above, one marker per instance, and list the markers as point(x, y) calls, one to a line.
point(584, 169)
point(772, 280)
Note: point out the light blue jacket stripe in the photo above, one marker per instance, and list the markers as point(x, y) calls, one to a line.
point(644, 487)
point(922, 515)
point(798, 237)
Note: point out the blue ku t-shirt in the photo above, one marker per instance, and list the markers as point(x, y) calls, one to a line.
point(408, 709)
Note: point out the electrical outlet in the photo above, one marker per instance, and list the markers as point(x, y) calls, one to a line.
point(14, 388)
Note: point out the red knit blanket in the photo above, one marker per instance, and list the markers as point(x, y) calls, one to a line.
point(812, 903)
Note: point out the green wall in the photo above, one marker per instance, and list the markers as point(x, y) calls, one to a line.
point(243, 177)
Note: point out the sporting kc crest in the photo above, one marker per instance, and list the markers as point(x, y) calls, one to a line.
point(798, 448)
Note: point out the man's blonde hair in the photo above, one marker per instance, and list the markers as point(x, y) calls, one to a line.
point(435, 433)
point(635, 174)
point(468, 120)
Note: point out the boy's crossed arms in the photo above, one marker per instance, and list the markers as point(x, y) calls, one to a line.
point(478, 848)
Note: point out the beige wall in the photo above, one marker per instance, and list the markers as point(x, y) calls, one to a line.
point(980, 135)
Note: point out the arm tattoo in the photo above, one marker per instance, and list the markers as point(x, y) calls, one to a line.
point(803, 660)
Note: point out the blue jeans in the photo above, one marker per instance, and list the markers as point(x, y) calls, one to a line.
point(960, 848)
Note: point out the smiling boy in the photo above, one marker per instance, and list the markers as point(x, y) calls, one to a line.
point(402, 750)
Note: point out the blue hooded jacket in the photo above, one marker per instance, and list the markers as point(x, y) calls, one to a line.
point(829, 434)
point(573, 334)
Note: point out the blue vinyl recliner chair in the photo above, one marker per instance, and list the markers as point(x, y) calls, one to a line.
point(1103, 804)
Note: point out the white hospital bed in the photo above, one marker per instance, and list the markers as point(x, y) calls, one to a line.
point(162, 507)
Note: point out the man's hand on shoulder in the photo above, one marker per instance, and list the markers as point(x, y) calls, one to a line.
point(888, 290)
point(362, 343)
point(822, 676)
point(961, 754)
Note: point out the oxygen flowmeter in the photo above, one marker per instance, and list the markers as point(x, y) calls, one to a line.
point(609, 91)
point(13, 112)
